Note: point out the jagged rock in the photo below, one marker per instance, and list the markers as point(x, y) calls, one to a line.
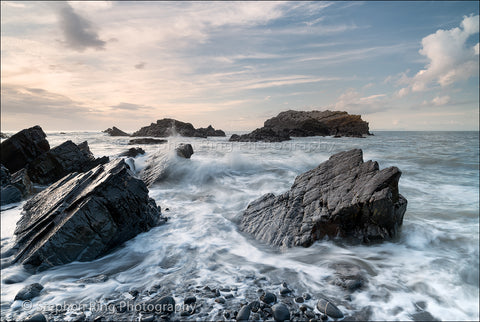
point(146, 141)
point(343, 196)
point(169, 127)
point(21, 181)
point(261, 134)
point(313, 123)
point(83, 216)
point(159, 165)
point(210, 131)
point(23, 147)
point(115, 132)
point(62, 160)
point(5, 177)
point(12, 188)
point(10, 194)
point(132, 152)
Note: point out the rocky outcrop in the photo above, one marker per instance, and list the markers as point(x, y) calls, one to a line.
point(13, 187)
point(159, 166)
point(170, 127)
point(307, 123)
point(62, 160)
point(343, 196)
point(115, 132)
point(23, 147)
point(132, 152)
point(261, 134)
point(83, 216)
point(146, 141)
point(209, 131)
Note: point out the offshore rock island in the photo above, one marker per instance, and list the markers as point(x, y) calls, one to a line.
point(307, 123)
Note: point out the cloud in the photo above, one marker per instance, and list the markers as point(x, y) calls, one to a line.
point(441, 100)
point(355, 102)
point(130, 107)
point(450, 58)
point(140, 65)
point(78, 32)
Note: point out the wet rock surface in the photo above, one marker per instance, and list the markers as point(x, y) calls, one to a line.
point(170, 127)
point(132, 152)
point(83, 216)
point(114, 131)
point(146, 141)
point(261, 134)
point(29, 292)
point(23, 147)
point(344, 196)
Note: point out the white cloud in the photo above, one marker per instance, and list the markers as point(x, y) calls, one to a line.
point(450, 59)
point(441, 100)
point(355, 102)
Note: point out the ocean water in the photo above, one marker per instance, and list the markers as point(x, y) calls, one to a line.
point(433, 264)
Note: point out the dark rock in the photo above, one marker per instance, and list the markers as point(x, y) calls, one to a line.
point(148, 318)
point(299, 299)
point(306, 296)
point(328, 308)
point(5, 177)
point(83, 216)
point(284, 291)
point(343, 196)
point(169, 127)
point(280, 312)
point(268, 298)
point(3, 136)
point(13, 188)
point(210, 131)
point(166, 304)
point(21, 181)
point(190, 300)
point(94, 279)
point(220, 300)
point(261, 134)
point(146, 141)
point(132, 152)
point(254, 306)
point(423, 316)
point(115, 132)
point(37, 317)
point(160, 166)
point(313, 123)
point(29, 292)
point(62, 160)
point(244, 313)
point(309, 314)
point(184, 150)
point(23, 147)
point(10, 194)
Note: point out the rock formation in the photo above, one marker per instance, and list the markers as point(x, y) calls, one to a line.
point(160, 165)
point(83, 216)
point(146, 141)
point(62, 160)
point(343, 196)
point(13, 187)
point(114, 131)
point(132, 152)
point(307, 123)
point(23, 147)
point(169, 127)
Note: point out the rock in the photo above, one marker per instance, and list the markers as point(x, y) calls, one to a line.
point(37, 317)
point(268, 298)
point(260, 134)
point(115, 132)
point(94, 279)
point(299, 299)
point(190, 300)
point(62, 160)
point(146, 141)
point(343, 196)
point(184, 150)
point(170, 127)
point(210, 131)
point(220, 300)
point(83, 216)
point(254, 306)
point(159, 165)
point(306, 296)
point(280, 312)
point(3, 136)
point(244, 313)
point(21, 181)
point(23, 147)
point(328, 308)
point(132, 152)
point(29, 292)
point(5, 177)
point(166, 304)
point(313, 123)
point(284, 291)
point(10, 194)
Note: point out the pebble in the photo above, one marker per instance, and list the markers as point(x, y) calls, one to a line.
point(327, 307)
point(190, 300)
point(148, 318)
point(38, 317)
point(285, 291)
point(280, 312)
point(220, 300)
point(244, 313)
point(229, 296)
point(306, 296)
point(310, 314)
point(299, 299)
point(268, 298)
point(254, 306)
point(29, 292)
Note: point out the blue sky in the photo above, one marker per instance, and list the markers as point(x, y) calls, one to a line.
point(89, 65)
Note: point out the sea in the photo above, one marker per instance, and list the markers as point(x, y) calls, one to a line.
point(433, 265)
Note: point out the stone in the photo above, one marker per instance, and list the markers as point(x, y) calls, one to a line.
point(83, 216)
point(268, 298)
point(159, 166)
point(170, 127)
point(146, 141)
point(243, 314)
point(10, 194)
point(3, 136)
point(29, 292)
point(260, 134)
point(190, 300)
point(62, 160)
point(22, 182)
point(23, 147)
point(343, 197)
point(280, 312)
point(37, 317)
point(115, 132)
point(132, 152)
point(328, 308)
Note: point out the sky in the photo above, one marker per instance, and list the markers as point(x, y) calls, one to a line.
point(410, 65)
